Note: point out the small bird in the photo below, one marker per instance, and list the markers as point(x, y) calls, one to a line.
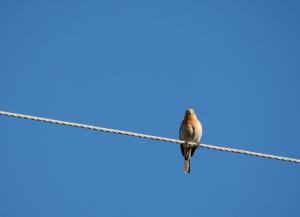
point(190, 131)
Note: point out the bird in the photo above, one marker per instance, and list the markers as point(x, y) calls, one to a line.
point(190, 131)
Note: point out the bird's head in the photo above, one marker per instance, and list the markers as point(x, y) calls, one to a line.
point(189, 112)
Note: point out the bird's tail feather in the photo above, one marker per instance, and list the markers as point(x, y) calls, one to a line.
point(187, 167)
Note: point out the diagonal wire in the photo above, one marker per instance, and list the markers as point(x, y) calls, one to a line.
point(144, 136)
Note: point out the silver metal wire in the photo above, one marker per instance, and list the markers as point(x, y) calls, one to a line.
point(144, 136)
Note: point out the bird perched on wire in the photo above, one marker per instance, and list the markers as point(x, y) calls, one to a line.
point(190, 131)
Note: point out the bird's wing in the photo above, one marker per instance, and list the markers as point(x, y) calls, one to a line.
point(199, 131)
point(181, 138)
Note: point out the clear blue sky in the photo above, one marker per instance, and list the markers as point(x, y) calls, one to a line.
point(136, 66)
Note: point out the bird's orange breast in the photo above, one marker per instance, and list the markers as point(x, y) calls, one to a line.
point(190, 120)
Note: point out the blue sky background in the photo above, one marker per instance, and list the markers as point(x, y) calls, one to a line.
point(136, 66)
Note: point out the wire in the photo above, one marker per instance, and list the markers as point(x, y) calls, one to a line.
point(162, 139)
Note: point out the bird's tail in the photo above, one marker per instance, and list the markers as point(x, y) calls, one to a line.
point(187, 167)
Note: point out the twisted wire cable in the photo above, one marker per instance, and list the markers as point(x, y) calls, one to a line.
point(144, 136)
